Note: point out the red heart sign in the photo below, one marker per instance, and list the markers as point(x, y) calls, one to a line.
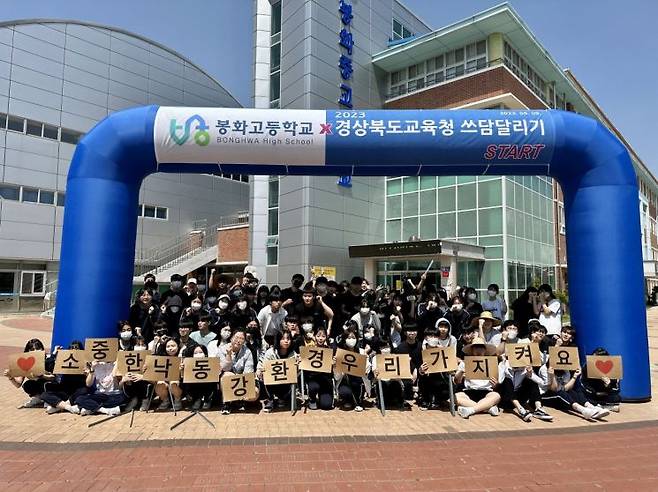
point(25, 363)
point(605, 366)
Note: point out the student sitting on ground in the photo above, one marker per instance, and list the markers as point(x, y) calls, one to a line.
point(604, 391)
point(320, 385)
point(60, 394)
point(478, 395)
point(106, 390)
point(434, 389)
point(34, 386)
point(282, 349)
point(166, 390)
point(564, 393)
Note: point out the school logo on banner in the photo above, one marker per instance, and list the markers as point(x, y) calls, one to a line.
point(201, 135)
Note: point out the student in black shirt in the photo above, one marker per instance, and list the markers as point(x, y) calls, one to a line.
point(293, 294)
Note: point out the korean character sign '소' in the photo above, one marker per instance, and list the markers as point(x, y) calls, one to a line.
point(481, 367)
point(523, 354)
point(130, 361)
point(440, 359)
point(604, 366)
point(239, 387)
point(393, 366)
point(351, 362)
point(317, 359)
point(70, 362)
point(27, 364)
point(161, 368)
point(102, 349)
point(564, 358)
point(280, 371)
point(201, 370)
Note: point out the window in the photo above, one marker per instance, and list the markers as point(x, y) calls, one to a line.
point(275, 56)
point(15, 123)
point(34, 128)
point(140, 210)
point(161, 213)
point(50, 132)
point(47, 197)
point(9, 192)
point(3, 121)
point(70, 136)
point(275, 20)
point(61, 199)
point(400, 31)
point(273, 221)
point(272, 247)
point(30, 195)
point(7, 282)
point(149, 211)
point(33, 283)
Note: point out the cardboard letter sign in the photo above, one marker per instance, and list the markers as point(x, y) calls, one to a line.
point(481, 367)
point(564, 358)
point(316, 359)
point(280, 371)
point(130, 361)
point(27, 363)
point(239, 387)
point(393, 366)
point(102, 349)
point(440, 359)
point(604, 366)
point(70, 362)
point(201, 370)
point(350, 362)
point(523, 354)
point(161, 368)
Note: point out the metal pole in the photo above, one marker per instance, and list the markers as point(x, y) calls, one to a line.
point(452, 395)
point(381, 397)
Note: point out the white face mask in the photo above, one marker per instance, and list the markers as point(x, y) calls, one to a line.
point(368, 336)
point(242, 305)
point(431, 305)
point(492, 293)
point(222, 304)
point(226, 334)
point(512, 333)
point(364, 311)
point(386, 351)
point(433, 342)
point(139, 348)
point(196, 306)
point(456, 307)
point(198, 356)
point(126, 335)
point(350, 342)
point(307, 327)
point(175, 309)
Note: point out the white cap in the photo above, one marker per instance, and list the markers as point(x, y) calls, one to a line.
point(191, 280)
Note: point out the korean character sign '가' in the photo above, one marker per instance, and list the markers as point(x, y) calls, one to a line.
point(351, 363)
point(130, 361)
point(280, 371)
point(161, 368)
point(102, 349)
point(604, 366)
point(564, 358)
point(239, 387)
point(393, 366)
point(70, 362)
point(440, 359)
point(316, 359)
point(481, 367)
point(201, 370)
point(523, 354)
point(27, 364)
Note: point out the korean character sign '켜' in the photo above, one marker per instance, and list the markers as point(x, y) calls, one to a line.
point(280, 371)
point(239, 387)
point(102, 349)
point(161, 368)
point(481, 367)
point(351, 363)
point(70, 362)
point(564, 358)
point(317, 359)
point(604, 366)
point(27, 364)
point(393, 366)
point(523, 354)
point(130, 361)
point(201, 370)
point(440, 359)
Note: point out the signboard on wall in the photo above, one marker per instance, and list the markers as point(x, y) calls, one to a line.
point(323, 271)
point(412, 248)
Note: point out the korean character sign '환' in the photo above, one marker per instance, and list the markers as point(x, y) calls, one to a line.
point(280, 371)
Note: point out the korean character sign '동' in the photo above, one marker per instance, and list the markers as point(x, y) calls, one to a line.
point(130, 361)
point(70, 362)
point(440, 359)
point(317, 359)
point(351, 362)
point(201, 370)
point(27, 364)
point(604, 366)
point(523, 354)
point(161, 368)
point(393, 366)
point(239, 387)
point(102, 349)
point(280, 371)
point(481, 367)
point(564, 358)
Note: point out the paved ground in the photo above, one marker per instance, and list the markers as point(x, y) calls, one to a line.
point(317, 450)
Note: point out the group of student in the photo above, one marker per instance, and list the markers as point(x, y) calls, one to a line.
point(244, 325)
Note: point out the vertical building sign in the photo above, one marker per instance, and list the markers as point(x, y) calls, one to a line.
point(346, 42)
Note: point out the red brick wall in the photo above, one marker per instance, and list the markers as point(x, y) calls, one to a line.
point(233, 244)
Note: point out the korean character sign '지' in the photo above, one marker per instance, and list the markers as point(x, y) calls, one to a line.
point(440, 359)
point(523, 354)
point(161, 368)
point(393, 366)
point(564, 358)
point(317, 359)
point(27, 364)
point(280, 371)
point(238, 387)
point(70, 362)
point(481, 367)
point(130, 361)
point(604, 366)
point(351, 363)
point(102, 349)
point(201, 370)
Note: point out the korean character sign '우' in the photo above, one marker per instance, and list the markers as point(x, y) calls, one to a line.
point(564, 358)
point(351, 363)
point(317, 359)
point(161, 368)
point(393, 366)
point(604, 366)
point(27, 364)
point(70, 362)
point(481, 367)
point(102, 349)
point(440, 359)
point(239, 387)
point(201, 370)
point(523, 354)
point(130, 361)
point(280, 371)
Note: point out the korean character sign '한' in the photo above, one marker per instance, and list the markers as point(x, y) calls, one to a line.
point(351, 363)
point(239, 387)
point(564, 358)
point(481, 367)
point(70, 362)
point(604, 366)
point(523, 354)
point(201, 370)
point(280, 371)
point(161, 368)
point(440, 359)
point(393, 366)
point(130, 361)
point(102, 349)
point(27, 364)
point(317, 359)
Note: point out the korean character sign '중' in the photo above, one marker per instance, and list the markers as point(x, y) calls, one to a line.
point(130, 361)
point(201, 370)
point(351, 363)
point(523, 354)
point(239, 387)
point(481, 367)
point(27, 364)
point(280, 371)
point(70, 362)
point(393, 366)
point(102, 349)
point(161, 368)
point(564, 358)
point(317, 359)
point(604, 366)
point(440, 359)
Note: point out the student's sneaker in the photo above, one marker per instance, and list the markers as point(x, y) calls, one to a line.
point(50, 409)
point(612, 408)
point(206, 405)
point(196, 406)
point(132, 404)
point(494, 411)
point(423, 405)
point(524, 414)
point(465, 412)
point(405, 405)
point(112, 411)
point(358, 408)
point(73, 409)
point(33, 402)
point(84, 412)
point(588, 413)
point(600, 412)
point(226, 409)
point(312, 405)
point(435, 405)
point(178, 405)
point(144, 407)
point(164, 405)
point(542, 414)
point(268, 406)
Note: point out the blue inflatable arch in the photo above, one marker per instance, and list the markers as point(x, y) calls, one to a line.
point(592, 166)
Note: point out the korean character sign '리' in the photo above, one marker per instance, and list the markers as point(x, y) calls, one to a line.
point(523, 354)
point(130, 361)
point(440, 359)
point(201, 370)
point(393, 366)
point(351, 363)
point(317, 359)
point(280, 371)
point(70, 362)
point(102, 349)
point(161, 368)
point(239, 387)
point(27, 364)
point(604, 366)
point(564, 358)
point(481, 367)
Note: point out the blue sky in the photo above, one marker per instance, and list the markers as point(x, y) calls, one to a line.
point(609, 45)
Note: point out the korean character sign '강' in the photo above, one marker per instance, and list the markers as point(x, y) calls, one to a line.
point(440, 359)
point(604, 366)
point(70, 362)
point(351, 362)
point(393, 366)
point(239, 387)
point(523, 354)
point(280, 371)
point(201, 370)
point(564, 358)
point(130, 361)
point(317, 359)
point(161, 368)
point(102, 349)
point(481, 367)
point(27, 364)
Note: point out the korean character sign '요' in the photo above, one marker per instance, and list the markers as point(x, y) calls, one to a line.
point(393, 366)
point(70, 362)
point(27, 364)
point(440, 359)
point(201, 370)
point(239, 387)
point(102, 349)
point(351, 363)
point(316, 359)
point(162, 368)
point(280, 371)
point(131, 361)
point(564, 358)
point(523, 354)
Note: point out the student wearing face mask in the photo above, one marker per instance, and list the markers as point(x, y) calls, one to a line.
point(143, 313)
point(152, 286)
point(366, 316)
point(280, 394)
point(471, 304)
point(308, 339)
point(176, 290)
point(172, 311)
point(434, 389)
point(457, 316)
point(195, 311)
point(200, 393)
point(241, 312)
point(221, 314)
point(371, 342)
point(320, 385)
point(429, 311)
point(203, 336)
point(313, 306)
point(494, 303)
point(235, 358)
point(393, 319)
point(224, 337)
point(351, 389)
point(126, 335)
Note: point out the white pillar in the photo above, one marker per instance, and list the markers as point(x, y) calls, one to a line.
point(370, 271)
point(452, 275)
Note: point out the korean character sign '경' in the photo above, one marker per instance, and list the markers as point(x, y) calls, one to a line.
point(102, 349)
point(239, 387)
point(70, 362)
point(393, 366)
point(604, 366)
point(201, 370)
point(317, 359)
point(27, 364)
point(280, 371)
point(564, 358)
point(523, 354)
point(351, 363)
point(440, 359)
point(130, 361)
point(161, 368)
point(481, 367)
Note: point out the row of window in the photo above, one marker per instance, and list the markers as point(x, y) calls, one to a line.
point(31, 195)
point(39, 129)
point(33, 283)
point(275, 56)
point(273, 221)
point(152, 212)
point(400, 31)
point(235, 177)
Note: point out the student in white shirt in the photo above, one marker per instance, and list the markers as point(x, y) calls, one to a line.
point(550, 314)
point(478, 395)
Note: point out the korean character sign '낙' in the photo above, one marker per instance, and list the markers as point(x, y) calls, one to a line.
point(604, 366)
point(481, 367)
point(393, 366)
point(523, 354)
point(564, 358)
point(239, 387)
point(351, 363)
point(27, 364)
point(440, 359)
point(280, 371)
point(70, 362)
point(130, 361)
point(161, 368)
point(317, 359)
point(102, 349)
point(201, 370)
